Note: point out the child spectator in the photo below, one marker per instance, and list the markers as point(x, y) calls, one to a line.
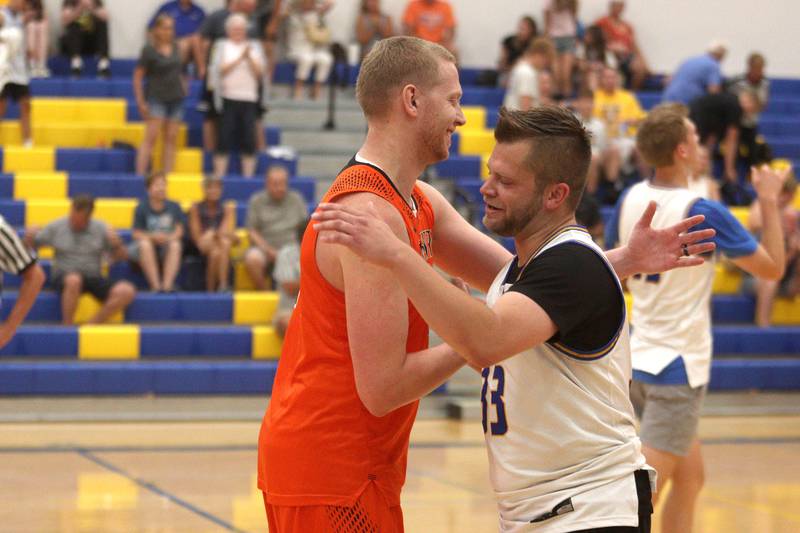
point(561, 25)
point(158, 228)
point(160, 101)
point(37, 31)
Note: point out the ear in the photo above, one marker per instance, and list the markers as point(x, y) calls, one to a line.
point(555, 195)
point(681, 151)
point(410, 97)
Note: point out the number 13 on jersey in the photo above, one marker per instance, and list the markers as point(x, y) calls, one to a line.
point(494, 401)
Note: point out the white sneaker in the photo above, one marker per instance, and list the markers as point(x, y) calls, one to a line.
point(28, 143)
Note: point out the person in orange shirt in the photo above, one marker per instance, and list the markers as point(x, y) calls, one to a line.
point(431, 20)
point(334, 440)
point(621, 40)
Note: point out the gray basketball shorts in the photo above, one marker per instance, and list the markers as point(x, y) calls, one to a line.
point(668, 415)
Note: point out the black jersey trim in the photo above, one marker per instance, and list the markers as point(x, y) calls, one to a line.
point(593, 355)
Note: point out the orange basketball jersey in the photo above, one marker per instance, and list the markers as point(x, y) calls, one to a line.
point(318, 444)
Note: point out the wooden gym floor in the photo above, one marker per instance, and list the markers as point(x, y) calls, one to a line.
point(199, 476)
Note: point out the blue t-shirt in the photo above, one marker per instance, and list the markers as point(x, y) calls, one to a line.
point(145, 218)
point(187, 21)
point(693, 78)
point(673, 374)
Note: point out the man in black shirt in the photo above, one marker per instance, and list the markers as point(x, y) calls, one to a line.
point(551, 340)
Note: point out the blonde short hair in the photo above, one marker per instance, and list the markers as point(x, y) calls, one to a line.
point(393, 63)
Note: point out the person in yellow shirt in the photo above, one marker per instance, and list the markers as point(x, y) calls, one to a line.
point(620, 112)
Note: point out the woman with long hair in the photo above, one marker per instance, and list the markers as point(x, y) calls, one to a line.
point(160, 89)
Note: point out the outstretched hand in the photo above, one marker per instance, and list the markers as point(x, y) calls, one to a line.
point(659, 250)
point(362, 231)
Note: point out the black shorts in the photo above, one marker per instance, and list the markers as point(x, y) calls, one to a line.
point(15, 91)
point(97, 286)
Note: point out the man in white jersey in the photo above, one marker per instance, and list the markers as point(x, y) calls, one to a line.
point(671, 339)
point(552, 341)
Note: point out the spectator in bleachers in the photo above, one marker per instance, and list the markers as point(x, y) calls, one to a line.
point(372, 25)
point(272, 218)
point(514, 46)
point(697, 76)
point(547, 88)
point(593, 56)
point(37, 34)
point(754, 82)
point(158, 228)
point(561, 25)
point(287, 279)
point(621, 40)
point(211, 228)
point(13, 66)
point(17, 259)
point(718, 117)
point(620, 112)
point(584, 109)
point(211, 31)
point(188, 17)
point(160, 89)
point(268, 17)
point(81, 244)
point(701, 180)
point(789, 285)
point(85, 24)
point(236, 71)
point(522, 90)
point(431, 20)
point(308, 44)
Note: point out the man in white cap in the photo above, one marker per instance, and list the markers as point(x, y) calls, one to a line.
point(697, 75)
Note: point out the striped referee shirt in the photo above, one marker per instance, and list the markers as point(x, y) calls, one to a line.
point(15, 258)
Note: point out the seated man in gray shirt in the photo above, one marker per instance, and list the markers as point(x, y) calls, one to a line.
point(80, 244)
point(272, 219)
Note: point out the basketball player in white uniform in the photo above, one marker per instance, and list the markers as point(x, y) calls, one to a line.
point(671, 340)
point(552, 342)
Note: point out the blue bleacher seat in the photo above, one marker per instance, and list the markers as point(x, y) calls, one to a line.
point(460, 166)
point(484, 96)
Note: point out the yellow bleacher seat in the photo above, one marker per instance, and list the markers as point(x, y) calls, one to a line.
point(88, 306)
point(266, 343)
point(189, 160)
point(786, 312)
point(796, 202)
point(185, 187)
point(726, 281)
point(475, 142)
point(21, 159)
point(116, 212)
point(475, 117)
point(39, 185)
point(241, 279)
point(10, 133)
point(78, 110)
point(108, 342)
point(742, 213)
point(255, 307)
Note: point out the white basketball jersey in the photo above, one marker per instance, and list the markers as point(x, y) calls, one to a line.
point(560, 430)
point(672, 310)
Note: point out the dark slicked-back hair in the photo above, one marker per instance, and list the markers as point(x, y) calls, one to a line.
point(560, 146)
point(83, 203)
point(393, 63)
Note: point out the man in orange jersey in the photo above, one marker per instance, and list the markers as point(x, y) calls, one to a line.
point(334, 440)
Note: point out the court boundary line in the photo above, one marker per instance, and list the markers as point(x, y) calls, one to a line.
point(89, 455)
point(254, 447)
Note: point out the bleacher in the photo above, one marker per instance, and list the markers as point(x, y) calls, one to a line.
point(185, 343)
